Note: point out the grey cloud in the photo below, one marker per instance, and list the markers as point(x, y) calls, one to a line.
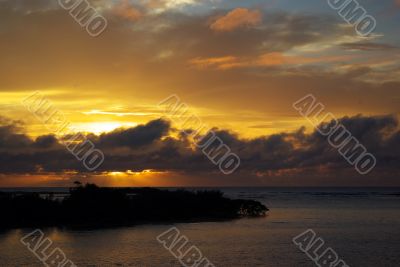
point(141, 135)
point(149, 147)
point(368, 46)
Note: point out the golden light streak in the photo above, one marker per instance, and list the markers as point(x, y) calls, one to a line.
point(132, 173)
point(100, 127)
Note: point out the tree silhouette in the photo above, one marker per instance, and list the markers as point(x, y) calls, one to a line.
point(93, 206)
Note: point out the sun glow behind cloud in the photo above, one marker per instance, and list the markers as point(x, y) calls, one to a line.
point(112, 178)
point(101, 127)
point(131, 173)
point(137, 178)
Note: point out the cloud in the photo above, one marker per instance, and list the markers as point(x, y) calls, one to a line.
point(127, 11)
point(264, 60)
point(150, 146)
point(46, 141)
point(136, 137)
point(227, 62)
point(27, 6)
point(10, 136)
point(237, 18)
point(168, 4)
point(365, 46)
point(125, 50)
point(272, 59)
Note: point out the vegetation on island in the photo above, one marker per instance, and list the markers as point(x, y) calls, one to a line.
point(93, 206)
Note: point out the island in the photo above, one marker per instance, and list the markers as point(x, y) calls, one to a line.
point(92, 206)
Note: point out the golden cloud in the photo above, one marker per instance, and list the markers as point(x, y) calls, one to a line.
point(227, 62)
point(237, 18)
point(273, 59)
point(268, 59)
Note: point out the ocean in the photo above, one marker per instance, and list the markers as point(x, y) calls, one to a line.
point(362, 225)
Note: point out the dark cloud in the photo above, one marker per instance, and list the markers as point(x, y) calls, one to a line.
point(9, 135)
point(139, 136)
point(46, 141)
point(149, 147)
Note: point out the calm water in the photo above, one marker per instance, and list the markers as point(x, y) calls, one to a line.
point(361, 225)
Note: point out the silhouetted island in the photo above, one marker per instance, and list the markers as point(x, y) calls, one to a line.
point(93, 206)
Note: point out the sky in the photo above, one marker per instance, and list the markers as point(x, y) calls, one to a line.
point(238, 65)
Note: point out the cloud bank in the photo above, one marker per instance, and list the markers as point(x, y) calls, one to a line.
point(158, 146)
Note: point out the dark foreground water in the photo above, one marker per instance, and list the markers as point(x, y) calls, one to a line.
point(361, 225)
